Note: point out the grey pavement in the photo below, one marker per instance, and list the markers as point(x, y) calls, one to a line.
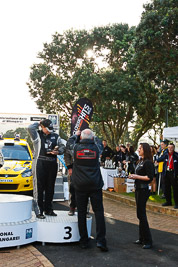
point(122, 230)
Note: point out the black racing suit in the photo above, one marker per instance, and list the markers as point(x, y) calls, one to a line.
point(44, 166)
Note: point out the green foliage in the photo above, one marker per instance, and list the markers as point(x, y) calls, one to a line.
point(129, 74)
point(68, 73)
point(156, 53)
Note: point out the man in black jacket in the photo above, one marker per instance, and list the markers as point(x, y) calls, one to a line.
point(107, 152)
point(88, 183)
point(170, 172)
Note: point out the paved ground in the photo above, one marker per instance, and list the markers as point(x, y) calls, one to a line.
point(122, 230)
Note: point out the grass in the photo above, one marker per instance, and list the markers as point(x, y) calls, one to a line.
point(152, 198)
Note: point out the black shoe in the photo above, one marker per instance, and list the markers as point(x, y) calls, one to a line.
point(147, 246)
point(138, 242)
point(40, 216)
point(176, 207)
point(162, 197)
point(71, 212)
point(102, 247)
point(167, 204)
point(50, 213)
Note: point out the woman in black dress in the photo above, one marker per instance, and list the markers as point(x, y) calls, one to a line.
point(144, 174)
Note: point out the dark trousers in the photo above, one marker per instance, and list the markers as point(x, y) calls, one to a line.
point(46, 177)
point(72, 203)
point(96, 200)
point(171, 181)
point(141, 197)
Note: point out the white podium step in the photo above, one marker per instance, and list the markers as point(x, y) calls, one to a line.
point(19, 225)
point(60, 229)
point(15, 208)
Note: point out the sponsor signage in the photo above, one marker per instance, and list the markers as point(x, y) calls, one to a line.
point(81, 115)
point(12, 121)
point(17, 234)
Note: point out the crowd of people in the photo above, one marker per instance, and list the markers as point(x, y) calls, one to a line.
point(125, 157)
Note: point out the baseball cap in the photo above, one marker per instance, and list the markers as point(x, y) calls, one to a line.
point(47, 124)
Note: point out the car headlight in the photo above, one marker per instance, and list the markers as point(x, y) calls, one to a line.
point(27, 173)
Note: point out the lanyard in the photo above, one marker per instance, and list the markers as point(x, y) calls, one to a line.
point(169, 160)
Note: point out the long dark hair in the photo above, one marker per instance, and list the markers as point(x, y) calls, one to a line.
point(131, 150)
point(147, 151)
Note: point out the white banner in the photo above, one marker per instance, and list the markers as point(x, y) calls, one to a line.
point(12, 121)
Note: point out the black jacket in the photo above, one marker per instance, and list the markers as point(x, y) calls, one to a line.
point(144, 168)
point(107, 152)
point(165, 157)
point(86, 175)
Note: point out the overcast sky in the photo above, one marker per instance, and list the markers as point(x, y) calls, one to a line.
point(27, 24)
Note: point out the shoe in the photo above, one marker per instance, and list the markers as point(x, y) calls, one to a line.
point(176, 207)
point(50, 213)
point(138, 242)
point(147, 246)
point(167, 204)
point(102, 247)
point(40, 216)
point(162, 197)
point(71, 212)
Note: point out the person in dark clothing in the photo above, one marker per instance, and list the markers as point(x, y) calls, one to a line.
point(117, 156)
point(131, 158)
point(47, 146)
point(88, 183)
point(123, 156)
point(170, 173)
point(69, 163)
point(17, 137)
point(163, 150)
point(144, 175)
point(107, 153)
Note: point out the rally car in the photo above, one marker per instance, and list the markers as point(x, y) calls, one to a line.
point(16, 172)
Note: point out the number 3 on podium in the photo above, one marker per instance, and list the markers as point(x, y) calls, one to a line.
point(68, 232)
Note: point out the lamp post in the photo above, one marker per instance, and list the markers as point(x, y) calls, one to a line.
point(166, 113)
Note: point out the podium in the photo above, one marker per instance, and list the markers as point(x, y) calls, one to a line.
point(19, 225)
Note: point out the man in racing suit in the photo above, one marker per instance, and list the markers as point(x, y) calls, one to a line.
point(47, 146)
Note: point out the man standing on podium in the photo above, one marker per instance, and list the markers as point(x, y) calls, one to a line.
point(47, 146)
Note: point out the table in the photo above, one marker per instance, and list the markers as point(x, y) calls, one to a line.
point(108, 179)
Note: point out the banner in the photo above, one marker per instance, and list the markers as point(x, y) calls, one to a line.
point(81, 115)
point(11, 121)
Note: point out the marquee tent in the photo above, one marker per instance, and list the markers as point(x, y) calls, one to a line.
point(171, 133)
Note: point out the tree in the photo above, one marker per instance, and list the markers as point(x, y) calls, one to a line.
point(68, 73)
point(156, 54)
